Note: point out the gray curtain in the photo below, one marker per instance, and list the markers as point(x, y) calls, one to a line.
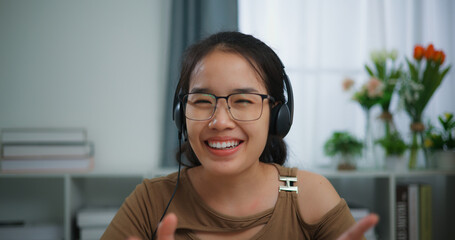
point(191, 21)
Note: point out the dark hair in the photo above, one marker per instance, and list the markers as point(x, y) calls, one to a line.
point(262, 58)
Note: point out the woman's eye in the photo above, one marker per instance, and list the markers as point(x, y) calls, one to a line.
point(243, 101)
point(202, 102)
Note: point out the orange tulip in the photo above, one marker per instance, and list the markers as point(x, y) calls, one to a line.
point(443, 57)
point(419, 51)
point(437, 56)
point(429, 52)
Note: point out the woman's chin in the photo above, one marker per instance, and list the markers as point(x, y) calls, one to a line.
point(228, 168)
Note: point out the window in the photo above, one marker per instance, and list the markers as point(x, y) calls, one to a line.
point(323, 42)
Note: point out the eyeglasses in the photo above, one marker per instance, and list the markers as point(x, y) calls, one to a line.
point(241, 106)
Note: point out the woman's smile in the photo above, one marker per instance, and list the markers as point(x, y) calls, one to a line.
point(223, 147)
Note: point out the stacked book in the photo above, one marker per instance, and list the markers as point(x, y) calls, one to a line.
point(45, 150)
point(413, 211)
point(92, 222)
point(31, 231)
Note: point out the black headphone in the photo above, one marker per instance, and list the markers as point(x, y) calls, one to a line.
point(280, 117)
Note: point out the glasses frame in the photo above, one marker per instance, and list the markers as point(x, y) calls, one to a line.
point(263, 96)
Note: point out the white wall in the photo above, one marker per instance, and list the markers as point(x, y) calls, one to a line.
point(99, 64)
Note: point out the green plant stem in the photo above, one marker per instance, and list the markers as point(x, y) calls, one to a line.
point(425, 150)
point(387, 129)
point(414, 149)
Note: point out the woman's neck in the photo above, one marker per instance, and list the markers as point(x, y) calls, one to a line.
point(243, 194)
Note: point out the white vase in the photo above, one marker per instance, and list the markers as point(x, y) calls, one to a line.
point(444, 160)
point(396, 163)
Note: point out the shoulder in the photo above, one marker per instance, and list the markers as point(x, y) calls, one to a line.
point(316, 196)
point(161, 184)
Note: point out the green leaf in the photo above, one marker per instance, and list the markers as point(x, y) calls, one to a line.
point(444, 72)
point(413, 71)
point(370, 72)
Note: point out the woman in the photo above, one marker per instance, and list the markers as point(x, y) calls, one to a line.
point(235, 186)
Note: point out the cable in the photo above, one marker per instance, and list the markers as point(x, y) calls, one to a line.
point(175, 189)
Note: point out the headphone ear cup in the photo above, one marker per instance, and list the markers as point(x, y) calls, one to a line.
point(280, 121)
point(284, 122)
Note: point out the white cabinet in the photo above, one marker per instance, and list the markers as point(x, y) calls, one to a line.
point(55, 198)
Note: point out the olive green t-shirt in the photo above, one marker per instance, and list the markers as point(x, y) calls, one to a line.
point(140, 214)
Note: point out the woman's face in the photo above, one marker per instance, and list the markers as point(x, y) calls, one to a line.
point(223, 73)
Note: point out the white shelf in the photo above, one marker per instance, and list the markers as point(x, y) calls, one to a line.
point(57, 197)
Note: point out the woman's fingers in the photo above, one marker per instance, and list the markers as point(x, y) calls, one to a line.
point(357, 231)
point(167, 227)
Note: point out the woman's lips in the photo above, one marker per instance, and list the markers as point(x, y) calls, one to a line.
point(223, 148)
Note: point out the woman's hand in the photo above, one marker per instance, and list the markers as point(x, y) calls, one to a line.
point(357, 231)
point(167, 227)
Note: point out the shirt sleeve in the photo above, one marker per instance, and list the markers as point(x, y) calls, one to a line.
point(133, 217)
point(334, 223)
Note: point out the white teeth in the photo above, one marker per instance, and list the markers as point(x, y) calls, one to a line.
point(224, 145)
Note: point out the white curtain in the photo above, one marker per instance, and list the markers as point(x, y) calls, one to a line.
point(321, 42)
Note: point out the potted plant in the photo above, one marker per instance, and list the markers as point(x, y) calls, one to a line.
point(441, 142)
point(345, 148)
point(394, 148)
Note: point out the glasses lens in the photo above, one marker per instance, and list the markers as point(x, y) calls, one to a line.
point(245, 106)
point(199, 106)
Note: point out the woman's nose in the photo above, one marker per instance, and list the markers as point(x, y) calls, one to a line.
point(221, 118)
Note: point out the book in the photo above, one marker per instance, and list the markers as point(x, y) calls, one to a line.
point(38, 151)
point(425, 212)
point(413, 211)
point(95, 217)
point(46, 165)
point(41, 135)
point(401, 212)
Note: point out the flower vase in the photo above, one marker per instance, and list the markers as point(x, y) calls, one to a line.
point(386, 127)
point(369, 154)
point(417, 155)
point(387, 123)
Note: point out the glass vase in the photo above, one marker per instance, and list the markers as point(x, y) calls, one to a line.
point(417, 154)
point(384, 128)
point(369, 153)
point(345, 162)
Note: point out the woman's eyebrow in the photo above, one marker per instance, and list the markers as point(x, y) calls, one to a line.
point(200, 90)
point(245, 90)
point(237, 90)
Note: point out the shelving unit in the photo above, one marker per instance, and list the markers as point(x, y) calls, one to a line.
point(55, 198)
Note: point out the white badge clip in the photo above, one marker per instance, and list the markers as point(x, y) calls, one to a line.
point(288, 186)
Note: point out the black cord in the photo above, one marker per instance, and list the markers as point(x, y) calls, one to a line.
point(175, 189)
